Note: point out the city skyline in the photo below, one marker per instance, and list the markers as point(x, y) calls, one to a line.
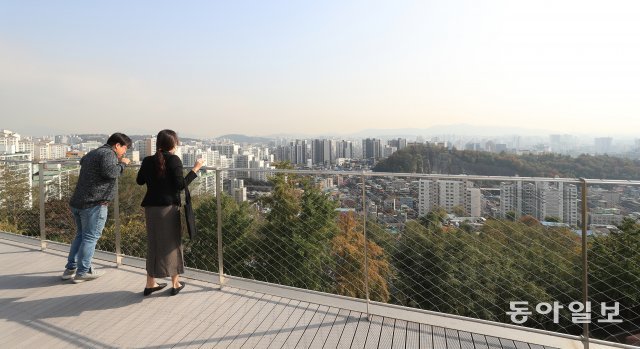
point(334, 68)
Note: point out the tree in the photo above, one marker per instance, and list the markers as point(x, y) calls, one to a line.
point(348, 248)
point(614, 264)
point(130, 194)
point(133, 233)
point(292, 246)
point(434, 219)
point(478, 274)
point(237, 223)
point(15, 197)
point(431, 158)
point(459, 211)
point(529, 221)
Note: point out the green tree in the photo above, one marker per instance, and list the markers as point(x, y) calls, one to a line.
point(434, 219)
point(459, 211)
point(15, 197)
point(478, 274)
point(237, 223)
point(130, 194)
point(292, 247)
point(614, 265)
point(428, 158)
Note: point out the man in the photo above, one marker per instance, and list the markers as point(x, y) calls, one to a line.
point(96, 187)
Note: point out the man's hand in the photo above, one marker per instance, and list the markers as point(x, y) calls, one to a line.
point(125, 161)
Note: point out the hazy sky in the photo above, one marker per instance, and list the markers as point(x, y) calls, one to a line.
point(207, 68)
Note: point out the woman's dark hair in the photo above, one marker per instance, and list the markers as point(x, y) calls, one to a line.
point(119, 138)
point(166, 140)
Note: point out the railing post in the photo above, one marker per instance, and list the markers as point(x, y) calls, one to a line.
point(41, 200)
point(219, 226)
point(585, 262)
point(116, 217)
point(366, 248)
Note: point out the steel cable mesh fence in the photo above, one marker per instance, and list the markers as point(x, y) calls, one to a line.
point(133, 235)
point(60, 182)
point(465, 255)
point(427, 248)
point(197, 254)
point(614, 262)
point(201, 252)
point(294, 230)
point(19, 205)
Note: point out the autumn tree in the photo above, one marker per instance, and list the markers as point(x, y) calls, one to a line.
point(348, 247)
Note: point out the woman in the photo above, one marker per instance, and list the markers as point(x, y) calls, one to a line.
point(163, 175)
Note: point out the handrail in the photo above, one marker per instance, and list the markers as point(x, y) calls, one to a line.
point(381, 174)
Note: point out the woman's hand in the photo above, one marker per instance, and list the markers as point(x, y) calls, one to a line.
point(196, 167)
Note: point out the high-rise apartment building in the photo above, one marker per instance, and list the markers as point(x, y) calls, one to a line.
point(371, 149)
point(146, 147)
point(602, 145)
point(49, 151)
point(570, 204)
point(9, 142)
point(190, 154)
point(228, 150)
point(212, 158)
point(448, 194)
point(241, 161)
point(540, 200)
point(322, 152)
point(344, 149)
point(237, 190)
point(398, 143)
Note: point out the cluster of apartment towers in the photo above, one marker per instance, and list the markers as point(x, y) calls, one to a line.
point(539, 199)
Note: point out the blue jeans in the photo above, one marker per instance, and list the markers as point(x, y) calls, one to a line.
point(89, 223)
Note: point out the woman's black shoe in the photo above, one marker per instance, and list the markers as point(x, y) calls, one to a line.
point(175, 291)
point(150, 290)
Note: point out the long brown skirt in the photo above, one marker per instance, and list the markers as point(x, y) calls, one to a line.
point(164, 243)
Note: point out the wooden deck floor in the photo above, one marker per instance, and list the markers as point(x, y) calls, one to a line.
point(37, 310)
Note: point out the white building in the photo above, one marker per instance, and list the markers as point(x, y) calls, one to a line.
point(146, 147)
point(16, 175)
point(89, 146)
point(605, 216)
point(205, 184)
point(237, 190)
point(212, 157)
point(228, 150)
point(448, 194)
point(9, 142)
point(540, 200)
point(241, 161)
point(49, 151)
point(57, 181)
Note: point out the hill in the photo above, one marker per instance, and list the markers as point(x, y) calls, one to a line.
point(438, 160)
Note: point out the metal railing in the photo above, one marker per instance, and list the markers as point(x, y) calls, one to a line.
point(444, 243)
